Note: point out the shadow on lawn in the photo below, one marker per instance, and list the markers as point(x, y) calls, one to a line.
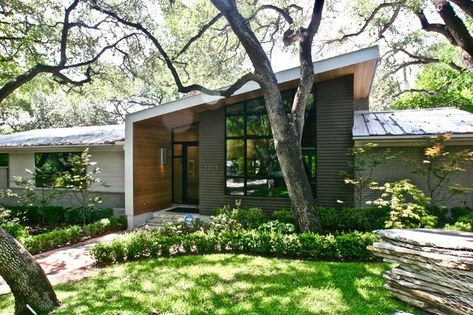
point(231, 284)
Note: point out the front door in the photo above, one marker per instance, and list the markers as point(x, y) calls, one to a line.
point(186, 172)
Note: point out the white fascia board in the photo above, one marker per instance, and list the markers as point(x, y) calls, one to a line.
point(325, 65)
point(129, 183)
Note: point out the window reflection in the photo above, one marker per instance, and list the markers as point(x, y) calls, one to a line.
point(252, 167)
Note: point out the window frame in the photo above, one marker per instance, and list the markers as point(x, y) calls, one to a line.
point(245, 137)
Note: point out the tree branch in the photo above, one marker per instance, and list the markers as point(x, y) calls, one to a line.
point(465, 5)
point(170, 65)
point(435, 27)
point(455, 25)
point(371, 18)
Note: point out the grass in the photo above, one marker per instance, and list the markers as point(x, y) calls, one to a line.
point(228, 284)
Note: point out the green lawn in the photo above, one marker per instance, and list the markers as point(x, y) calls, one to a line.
point(229, 284)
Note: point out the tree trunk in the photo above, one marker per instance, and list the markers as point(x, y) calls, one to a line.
point(26, 279)
point(286, 134)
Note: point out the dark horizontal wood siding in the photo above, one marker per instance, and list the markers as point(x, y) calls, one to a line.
point(334, 101)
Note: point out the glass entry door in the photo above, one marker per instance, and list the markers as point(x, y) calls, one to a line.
point(186, 172)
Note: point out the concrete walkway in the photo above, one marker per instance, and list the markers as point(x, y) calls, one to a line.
point(66, 263)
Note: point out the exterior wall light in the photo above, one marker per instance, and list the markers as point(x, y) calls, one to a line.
point(163, 156)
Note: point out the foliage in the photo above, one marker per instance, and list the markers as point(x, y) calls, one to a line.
point(16, 230)
point(56, 238)
point(440, 166)
point(5, 215)
point(353, 219)
point(284, 216)
point(459, 226)
point(66, 236)
point(229, 284)
point(449, 215)
point(80, 179)
point(276, 226)
point(146, 244)
point(363, 163)
point(439, 86)
point(405, 213)
point(56, 215)
point(248, 218)
point(31, 196)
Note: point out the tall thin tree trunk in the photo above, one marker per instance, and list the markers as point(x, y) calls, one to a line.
point(26, 278)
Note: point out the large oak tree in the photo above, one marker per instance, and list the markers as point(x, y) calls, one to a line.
point(287, 131)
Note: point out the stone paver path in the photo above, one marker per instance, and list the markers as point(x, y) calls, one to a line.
point(66, 263)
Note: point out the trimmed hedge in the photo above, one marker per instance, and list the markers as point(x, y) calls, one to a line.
point(352, 219)
point(62, 237)
point(54, 215)
point(146, 244)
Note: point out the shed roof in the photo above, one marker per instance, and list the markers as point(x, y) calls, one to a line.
point(414, 122)
point(94, 135)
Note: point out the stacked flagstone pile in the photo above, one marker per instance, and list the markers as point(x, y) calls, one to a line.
point(434, 268)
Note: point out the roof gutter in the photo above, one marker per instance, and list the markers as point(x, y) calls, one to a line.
point(59, 147)
point(411, 140)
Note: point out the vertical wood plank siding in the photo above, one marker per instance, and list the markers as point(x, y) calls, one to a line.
point(334, 101)
point(151, 180)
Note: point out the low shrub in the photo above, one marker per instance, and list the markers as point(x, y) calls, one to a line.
point(449, 215)
point(276, 226)
point(352, 219)
point(145, 244)
point(62, 237)
point(284, 216)
point(55, 215)
point(248, 218)
point(56, 238)
point(459, 226)
point(16, 230)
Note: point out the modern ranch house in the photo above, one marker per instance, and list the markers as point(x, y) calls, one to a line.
point(205, 151)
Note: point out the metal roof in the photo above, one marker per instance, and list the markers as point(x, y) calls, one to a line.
point(94, 135)
point(414, 122)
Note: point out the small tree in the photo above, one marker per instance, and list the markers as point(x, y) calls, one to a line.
point(365, 160)
point(408, 205)
point(40, 191)
point(80, 179)
point(440, 166)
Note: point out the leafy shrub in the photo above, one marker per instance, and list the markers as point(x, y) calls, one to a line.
point(55, 215)
point(248, 218)
point(408, 205)
point(459, 226)
point(276, 226)
point(145, 244)
point(70, 235)
point(181, 228)
point(56, 238)
point(284, 216)
point(15, 229)
point(352, 219)
point(449, 215)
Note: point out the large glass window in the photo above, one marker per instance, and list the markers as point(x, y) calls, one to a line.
point(252, 167)
point(51, 166)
